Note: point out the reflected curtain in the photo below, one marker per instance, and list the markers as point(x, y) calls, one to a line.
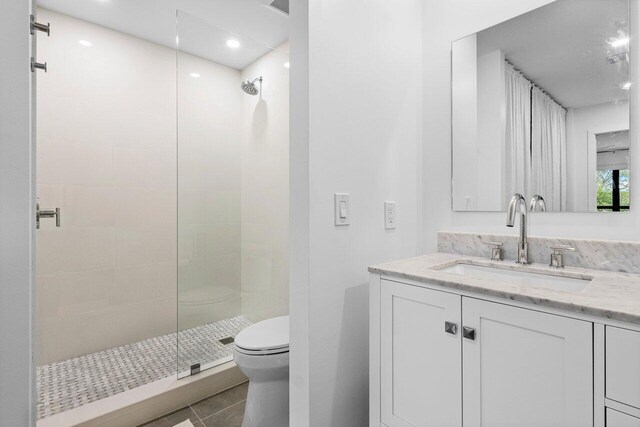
point(548, 151)
point(517, 134)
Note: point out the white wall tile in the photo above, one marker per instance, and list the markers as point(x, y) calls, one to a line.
point(265, 190)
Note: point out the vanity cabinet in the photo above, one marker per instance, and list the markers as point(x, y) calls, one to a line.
point(618, 419)
point(623, 366)
point(420, 370)
point(525, 367)
point(513, 367)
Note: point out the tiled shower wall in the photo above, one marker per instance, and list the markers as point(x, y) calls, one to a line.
point(265, 189)
point(107, 157)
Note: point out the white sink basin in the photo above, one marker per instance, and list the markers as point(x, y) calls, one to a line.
point(519, 277)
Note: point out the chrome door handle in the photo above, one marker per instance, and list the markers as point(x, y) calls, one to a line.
point(468, 333)
point(450, 328)
point(47, 213)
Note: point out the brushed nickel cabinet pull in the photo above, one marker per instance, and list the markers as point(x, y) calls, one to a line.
point(469, 333)
point(450, 328)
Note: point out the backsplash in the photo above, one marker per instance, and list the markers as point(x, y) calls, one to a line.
point(596, 254)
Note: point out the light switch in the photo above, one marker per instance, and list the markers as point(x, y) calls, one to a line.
point(389, 215)
point(342, 209)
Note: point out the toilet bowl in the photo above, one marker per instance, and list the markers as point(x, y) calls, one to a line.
point(261, 351)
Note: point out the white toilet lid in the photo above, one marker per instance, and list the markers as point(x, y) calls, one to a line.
point(270, 334)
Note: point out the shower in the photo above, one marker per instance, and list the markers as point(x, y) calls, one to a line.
point(250, 87)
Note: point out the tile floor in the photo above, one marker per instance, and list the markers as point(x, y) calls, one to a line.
point(74, 382)
point(221, 410)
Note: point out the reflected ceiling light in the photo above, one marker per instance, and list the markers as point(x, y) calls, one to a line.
point(195, 75)
point(85, 43)
point(287, 65)
point(626, 86)
point(622, 41)
point(233, 44)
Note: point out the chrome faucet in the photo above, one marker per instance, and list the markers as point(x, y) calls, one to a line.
point(518, 201)
point(537, 204)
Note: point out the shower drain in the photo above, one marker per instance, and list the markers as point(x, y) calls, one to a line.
point(225, 341)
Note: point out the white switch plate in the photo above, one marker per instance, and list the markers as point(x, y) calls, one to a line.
point(342, 209)
point(389, 215)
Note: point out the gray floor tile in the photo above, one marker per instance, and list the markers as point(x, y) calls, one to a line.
point(217, 403)
point(174, 418)
point(230, 417)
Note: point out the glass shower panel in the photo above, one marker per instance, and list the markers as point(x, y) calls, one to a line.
point(106, 157)
point(221, 79)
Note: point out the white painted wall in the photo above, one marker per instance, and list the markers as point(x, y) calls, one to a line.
point(364, 134)
point(17, 225)
point(299, 303)
point(444, 22)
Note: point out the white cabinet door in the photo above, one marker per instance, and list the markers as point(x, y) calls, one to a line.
point(525, 368)
point(623, 366)
point(420, 362)
point(618, 419)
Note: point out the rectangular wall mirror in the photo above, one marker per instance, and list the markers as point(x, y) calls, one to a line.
point(540, 106)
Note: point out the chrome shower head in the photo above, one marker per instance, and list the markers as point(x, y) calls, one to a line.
point(250, 87)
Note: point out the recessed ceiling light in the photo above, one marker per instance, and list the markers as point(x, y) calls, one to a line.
point(626, 86)
point(622, 41)
point(233, 43)
point(287, 65)
point(85, 43)
point(195, 75)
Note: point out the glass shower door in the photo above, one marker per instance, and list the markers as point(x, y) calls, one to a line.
point(209, 132)
point(232, 114)
point(106, 266)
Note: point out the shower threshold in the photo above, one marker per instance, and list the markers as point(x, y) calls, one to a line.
point(72, 383)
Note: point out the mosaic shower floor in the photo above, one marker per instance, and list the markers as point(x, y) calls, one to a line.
point(75, 382)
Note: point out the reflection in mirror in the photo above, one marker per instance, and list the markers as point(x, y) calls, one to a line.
point(540, 106)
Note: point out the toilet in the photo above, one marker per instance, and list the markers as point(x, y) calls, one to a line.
point(261, 351)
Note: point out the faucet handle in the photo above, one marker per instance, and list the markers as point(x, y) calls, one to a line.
point(557, 257)
point(496, 250)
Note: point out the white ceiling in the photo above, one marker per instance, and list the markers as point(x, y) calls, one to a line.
point(563, 48)
point(203, 29)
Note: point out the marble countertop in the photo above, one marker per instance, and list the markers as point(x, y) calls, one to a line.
point(610, 295)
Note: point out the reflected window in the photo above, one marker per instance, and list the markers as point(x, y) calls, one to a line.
point(613, 190)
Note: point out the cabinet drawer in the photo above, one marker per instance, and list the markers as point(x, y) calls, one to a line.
point(623, 366)
point(618, 419)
